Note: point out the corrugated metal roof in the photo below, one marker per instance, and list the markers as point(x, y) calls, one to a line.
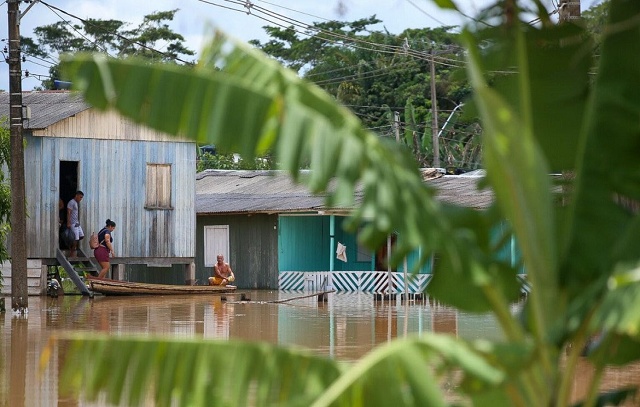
point(47, 107)
point(230, 191)
point(462, 190)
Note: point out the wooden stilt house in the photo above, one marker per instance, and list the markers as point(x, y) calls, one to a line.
point(277, 235)
point(141, 179)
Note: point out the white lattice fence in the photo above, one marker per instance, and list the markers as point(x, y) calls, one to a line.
point(367, 281)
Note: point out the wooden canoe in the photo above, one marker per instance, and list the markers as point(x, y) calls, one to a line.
point(107, 286)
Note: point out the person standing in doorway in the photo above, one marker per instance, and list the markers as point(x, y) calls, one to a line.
point(222, 273)
point(105, 251)
point(73, 222)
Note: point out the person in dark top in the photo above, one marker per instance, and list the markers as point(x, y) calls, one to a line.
point(105, 248)
point(62, 225)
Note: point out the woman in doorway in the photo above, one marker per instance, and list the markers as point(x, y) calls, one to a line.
point(105, 248)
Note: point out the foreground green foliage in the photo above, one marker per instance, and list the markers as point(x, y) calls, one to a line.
point(577, 237)
point(239, 374)
point(5, 192)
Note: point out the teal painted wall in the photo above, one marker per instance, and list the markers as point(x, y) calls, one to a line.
point(303, 245)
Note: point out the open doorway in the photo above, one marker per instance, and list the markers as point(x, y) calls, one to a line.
point(382, 257)
point(68, 186)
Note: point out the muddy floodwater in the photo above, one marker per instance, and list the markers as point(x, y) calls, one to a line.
point(345, 327)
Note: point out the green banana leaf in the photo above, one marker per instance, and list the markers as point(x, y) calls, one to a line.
point(133, 370)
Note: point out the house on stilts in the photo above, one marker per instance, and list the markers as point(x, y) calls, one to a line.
point(277, 235)
point(139, 178)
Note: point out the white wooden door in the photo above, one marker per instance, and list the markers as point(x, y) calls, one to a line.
point(216, 241)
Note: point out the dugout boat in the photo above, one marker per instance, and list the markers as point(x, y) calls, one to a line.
point(108, 286)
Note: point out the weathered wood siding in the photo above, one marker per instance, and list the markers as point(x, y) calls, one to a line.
point(112, 174)
point(94, 124)
point(253, 249)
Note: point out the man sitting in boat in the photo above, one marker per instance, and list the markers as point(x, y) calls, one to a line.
point(222, 273)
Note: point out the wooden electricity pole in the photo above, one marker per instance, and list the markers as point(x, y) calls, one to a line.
point(19, 288)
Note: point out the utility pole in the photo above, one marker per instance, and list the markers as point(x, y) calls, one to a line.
point(396, 125)
point(434, 114)
point(19, 288)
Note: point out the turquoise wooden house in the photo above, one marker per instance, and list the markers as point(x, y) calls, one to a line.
point(139, 178)
point(277, 235)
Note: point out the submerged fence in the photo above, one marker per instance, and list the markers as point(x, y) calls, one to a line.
point(352, 281)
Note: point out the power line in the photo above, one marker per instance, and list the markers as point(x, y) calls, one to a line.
point(295, 11)
point(74, 28)
point(343, 40)
point(51, 61)
point(358, 65)
point(122, 37)
point(37, 63)
point(363, 75)
point(425, 13)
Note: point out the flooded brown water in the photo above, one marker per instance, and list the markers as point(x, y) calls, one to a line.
point(345, 327)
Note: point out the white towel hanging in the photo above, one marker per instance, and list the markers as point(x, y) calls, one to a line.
point(341, 252)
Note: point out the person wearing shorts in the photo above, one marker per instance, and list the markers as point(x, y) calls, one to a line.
point(73, 222)
point(222, 273)
point(105, 251)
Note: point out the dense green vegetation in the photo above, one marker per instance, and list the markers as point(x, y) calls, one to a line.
point(232, 162)
point(577, 235)
point(376, 73)
point(5, 193)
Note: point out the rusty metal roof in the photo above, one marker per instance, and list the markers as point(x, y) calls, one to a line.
point(47, 107)
point(235, 191)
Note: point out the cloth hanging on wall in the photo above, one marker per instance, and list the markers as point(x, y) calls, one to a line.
point(341, 252)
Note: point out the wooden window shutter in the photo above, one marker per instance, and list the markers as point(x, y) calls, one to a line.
point(158, 191)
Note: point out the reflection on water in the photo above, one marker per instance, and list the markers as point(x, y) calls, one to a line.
point(345, 327)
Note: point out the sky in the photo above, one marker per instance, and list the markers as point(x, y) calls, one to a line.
point(196, 18)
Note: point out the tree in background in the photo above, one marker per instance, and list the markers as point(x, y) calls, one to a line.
point(376, 73)
point(232, 162)
point(152, 39)
point(595, 20)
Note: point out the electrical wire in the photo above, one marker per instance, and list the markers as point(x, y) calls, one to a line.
point(39, 64)
point(122, 37)
point(51, 62)
point(74, 28)
point(361, 75)
point(295, 11)
point(332, 37)
point(425, 13)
